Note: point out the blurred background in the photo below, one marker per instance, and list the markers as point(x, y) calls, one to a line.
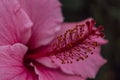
point(107, 13)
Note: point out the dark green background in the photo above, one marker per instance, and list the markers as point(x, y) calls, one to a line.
point(107, 13)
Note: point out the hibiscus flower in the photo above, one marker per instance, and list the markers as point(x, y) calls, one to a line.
point(36, 45)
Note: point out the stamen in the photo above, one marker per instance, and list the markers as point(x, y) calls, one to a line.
point(74, 44)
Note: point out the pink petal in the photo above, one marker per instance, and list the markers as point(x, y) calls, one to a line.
point(15, 25)
point(46, 15)
point(86, 68)
point(11, 63)
point(54, 74)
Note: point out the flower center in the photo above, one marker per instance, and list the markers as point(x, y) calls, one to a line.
point(27, 61)
point(31, 55)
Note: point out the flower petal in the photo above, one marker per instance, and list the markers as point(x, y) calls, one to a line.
point(86, 68)
point(46, 15)
point(11, 64)
point(15, 25)
point(54, 74)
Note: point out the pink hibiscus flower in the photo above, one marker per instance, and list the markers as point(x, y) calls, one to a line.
point(30, 51)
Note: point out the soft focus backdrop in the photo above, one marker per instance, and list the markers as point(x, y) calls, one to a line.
point(107, 13)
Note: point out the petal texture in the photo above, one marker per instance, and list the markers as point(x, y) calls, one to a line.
point(46, 15)
point(11, 64)
point(15, 25)
point(51, 74)
point(88, 67)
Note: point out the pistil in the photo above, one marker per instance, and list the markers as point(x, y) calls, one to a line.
point(75, 44)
